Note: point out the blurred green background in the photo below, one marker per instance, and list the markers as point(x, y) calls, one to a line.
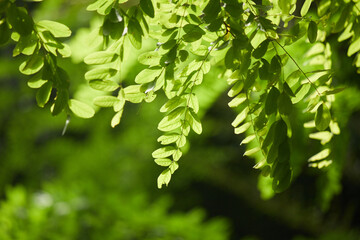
point(96, 182)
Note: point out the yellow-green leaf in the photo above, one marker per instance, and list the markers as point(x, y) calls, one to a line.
point(81, 109)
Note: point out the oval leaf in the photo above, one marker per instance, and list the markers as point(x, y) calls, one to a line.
point(81, 109)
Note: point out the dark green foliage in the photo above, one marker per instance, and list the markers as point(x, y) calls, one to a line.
point(193, 38)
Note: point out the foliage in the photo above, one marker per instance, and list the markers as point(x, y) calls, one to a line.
point(42, 215)
point(250, 42)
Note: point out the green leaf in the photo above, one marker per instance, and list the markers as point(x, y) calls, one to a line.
point(280, 132)
point(193, 33)
point(164, 152)
point(61, 101)
point(269, 136)
point(334, 91)
point(264, 71)
point(284, 104)
point(321, 155)
point(173, 167)
point(342, 22)
point(101, 57)
point(177, 155)
point(104, 85)
point(5, 33)
point(211, 11)
point(57, 29)
point(305, 7)
point(248, 139)
point(236, 89)
point(116, 119)
point(164, 162)
point(43, 94)
point(100, 73)
point(272, 154)
point(183, 55)
point(168, 138)
point(164, 178)
point(215, 25)
point(193, 102)
point(288, 90)
point(135, 33)
point(293, 78)
point(27, 45)
point(172, 120)
point(252, 151)
point(322, 117)
point(81, 109)
point(106, 101)
point(312, 32)
point(172, 104)
point(180, 142)
point(282, 177)
point(334, 127)
point(149, 58)
point(147, 75)
point(323, 136)
point(240, 117)
point(275, 65)
point(301, 92)
point(284, 5)
point(134, 94)
point(233, 7)
point(194, 121)
point(239, 99)
point(32, 65)
point(36, 81)
point(103, 7)
point(284, 152)
point(260, 51)
point(147, 7)
point(354, 47)
point(346, 34)
point(242, 128)
point(271, 101)
point(19, 19)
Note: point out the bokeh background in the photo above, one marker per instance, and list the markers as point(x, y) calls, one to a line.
point(96, 182)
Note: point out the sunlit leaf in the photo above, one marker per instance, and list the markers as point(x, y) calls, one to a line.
point(149, 58)
point(105, 101)
point(165, 162)
point(237, 100)
point(164, 178)
point(163, 152)
point(116, 118)
point(99, 57)
point(147, 75)
point(32, 65)
point(194, 121)
point(240, 117)
point(305, 7)
point(100, 73)
point(104, 85)
point(252, 151)
point(81, 109)
point(321, 155)
point(57, 29)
